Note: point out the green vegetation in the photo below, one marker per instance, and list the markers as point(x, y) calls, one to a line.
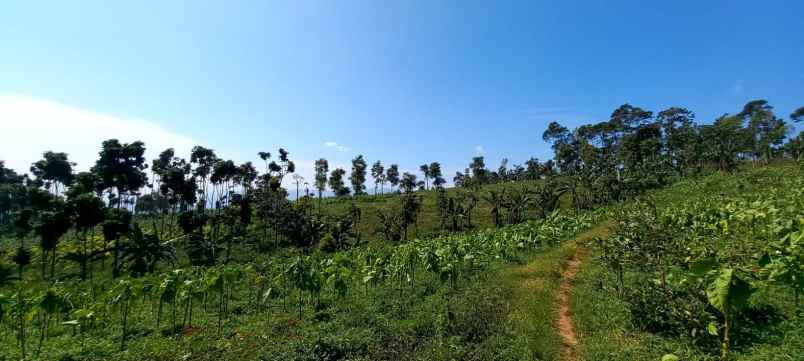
point(206, 259)
point(707, 269)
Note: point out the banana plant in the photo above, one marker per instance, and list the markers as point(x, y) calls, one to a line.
point(727, 292)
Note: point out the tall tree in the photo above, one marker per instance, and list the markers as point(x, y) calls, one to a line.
point(336, 183)
point(408, 182)
point(435, 173)
point(321, 170)
point(121, 167)
point(425, 169)
point(88, 212)
point(392, 175)
point(51, 225)
point(378, 173)
point(766, 130)
point(724, 140)
point(358, 175)
point(205, 160)
point(678, 129)
point(53, 170)
point(502, 171)
point(797, 115)
point(479, 171)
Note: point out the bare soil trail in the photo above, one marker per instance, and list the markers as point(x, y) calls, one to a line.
point(563, 323)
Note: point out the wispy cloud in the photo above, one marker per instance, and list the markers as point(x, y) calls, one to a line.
point(336, 146)
point(479, 150)
point(32, 126)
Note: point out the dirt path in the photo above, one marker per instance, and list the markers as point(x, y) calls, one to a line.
point(563, 301)
point(569, 340)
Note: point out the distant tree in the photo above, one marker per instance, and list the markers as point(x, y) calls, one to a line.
point(358, 175)
point(143, 251)
point(205, 160)
point(479, 171)
point(797, 115)
point(795, 147)
point(88, 212)
point(533, 169)
point(766, 130)
point(408, 182)
point(392, 175)
point(502, 171)
point(425, 169)
point(246, 176)
point(495, 200)
point(175, 182)
point(411, 206)
point(116, 225)
point(556, 134)
point(336, 183)
point(679, 133)
point(321, 170)
point(459, 179)
point(54, 170)
point(435, 174)
point(378, 173)
point(224, 173)
point(265, 156)
point(22, 226)
point(121, 167)
point(627, 117)
point(298, 180)
point(724, 140)
point(51, 225)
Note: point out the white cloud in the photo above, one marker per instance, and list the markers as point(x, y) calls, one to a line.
point(479, 150)
point(32, 126)
point(338, 147)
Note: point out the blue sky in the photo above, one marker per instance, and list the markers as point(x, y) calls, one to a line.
point(406, 82)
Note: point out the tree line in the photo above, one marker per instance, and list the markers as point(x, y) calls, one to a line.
point(137, 211)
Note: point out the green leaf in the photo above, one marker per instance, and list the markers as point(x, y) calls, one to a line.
point(728, 291)
point(712, 328)
point(670, 357)
point(718, 291)
point(701, 267)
